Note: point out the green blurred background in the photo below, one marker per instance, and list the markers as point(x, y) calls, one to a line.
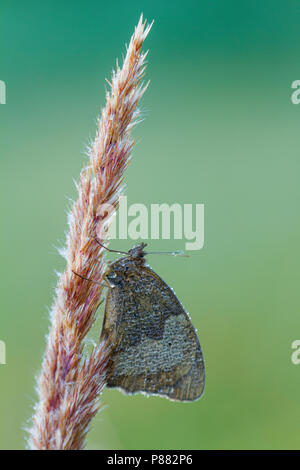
point(219, 129)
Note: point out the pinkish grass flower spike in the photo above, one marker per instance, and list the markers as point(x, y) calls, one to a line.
point(70, 380)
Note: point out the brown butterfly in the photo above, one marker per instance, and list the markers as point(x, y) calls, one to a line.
point(155, 348)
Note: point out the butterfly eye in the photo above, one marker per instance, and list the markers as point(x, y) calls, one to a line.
point(113, 275)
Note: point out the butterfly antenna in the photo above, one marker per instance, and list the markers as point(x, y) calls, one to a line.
point(171, 253)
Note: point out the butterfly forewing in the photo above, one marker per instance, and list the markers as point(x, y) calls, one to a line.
point(155, 348)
